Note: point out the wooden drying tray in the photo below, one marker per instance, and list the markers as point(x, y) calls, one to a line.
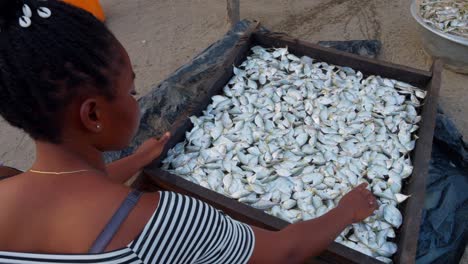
point(153, 178)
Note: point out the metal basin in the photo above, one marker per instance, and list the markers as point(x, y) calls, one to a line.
point(452, 50)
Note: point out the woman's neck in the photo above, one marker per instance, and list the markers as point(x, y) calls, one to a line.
point(67, 157)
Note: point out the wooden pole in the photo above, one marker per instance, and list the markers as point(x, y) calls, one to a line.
point(233, 11)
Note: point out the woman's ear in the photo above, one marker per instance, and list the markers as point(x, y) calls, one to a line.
point(90, 115)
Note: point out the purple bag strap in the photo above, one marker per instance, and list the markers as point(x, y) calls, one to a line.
point(115, 222)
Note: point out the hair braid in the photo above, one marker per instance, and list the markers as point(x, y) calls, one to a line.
point(44, 66)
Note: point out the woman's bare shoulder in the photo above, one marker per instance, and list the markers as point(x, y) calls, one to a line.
point(70, 212)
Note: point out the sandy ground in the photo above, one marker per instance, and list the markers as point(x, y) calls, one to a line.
point(162, 35)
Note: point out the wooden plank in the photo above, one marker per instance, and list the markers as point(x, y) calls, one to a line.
point(233, 11)
point(338, 253)
point(145, 184)
point(365, 65)
point(416, 185)
point(315, 261)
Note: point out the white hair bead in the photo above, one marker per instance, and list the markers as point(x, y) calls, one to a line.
point(24, 21)
point(27, 11)
point(44, 12)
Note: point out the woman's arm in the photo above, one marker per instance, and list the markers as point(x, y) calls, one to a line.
point(298, 242)
point(122, 170)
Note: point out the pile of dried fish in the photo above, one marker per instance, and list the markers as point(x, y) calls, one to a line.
point(291, 137)
point(449, 16)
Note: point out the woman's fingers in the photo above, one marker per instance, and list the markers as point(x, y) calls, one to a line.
point(164, 137)
point(362, 186)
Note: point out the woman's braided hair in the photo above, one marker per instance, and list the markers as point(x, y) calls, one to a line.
point(47, 64)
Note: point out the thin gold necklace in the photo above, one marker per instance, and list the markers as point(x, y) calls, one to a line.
point(57, 172)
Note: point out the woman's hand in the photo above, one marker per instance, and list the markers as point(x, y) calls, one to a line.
point(152, 148)
point(359, 203)
point(122, 170)
point(300, 241)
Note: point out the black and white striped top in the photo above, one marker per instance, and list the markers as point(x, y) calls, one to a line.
point(181, 230)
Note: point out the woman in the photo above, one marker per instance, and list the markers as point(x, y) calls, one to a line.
point(68, 82)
